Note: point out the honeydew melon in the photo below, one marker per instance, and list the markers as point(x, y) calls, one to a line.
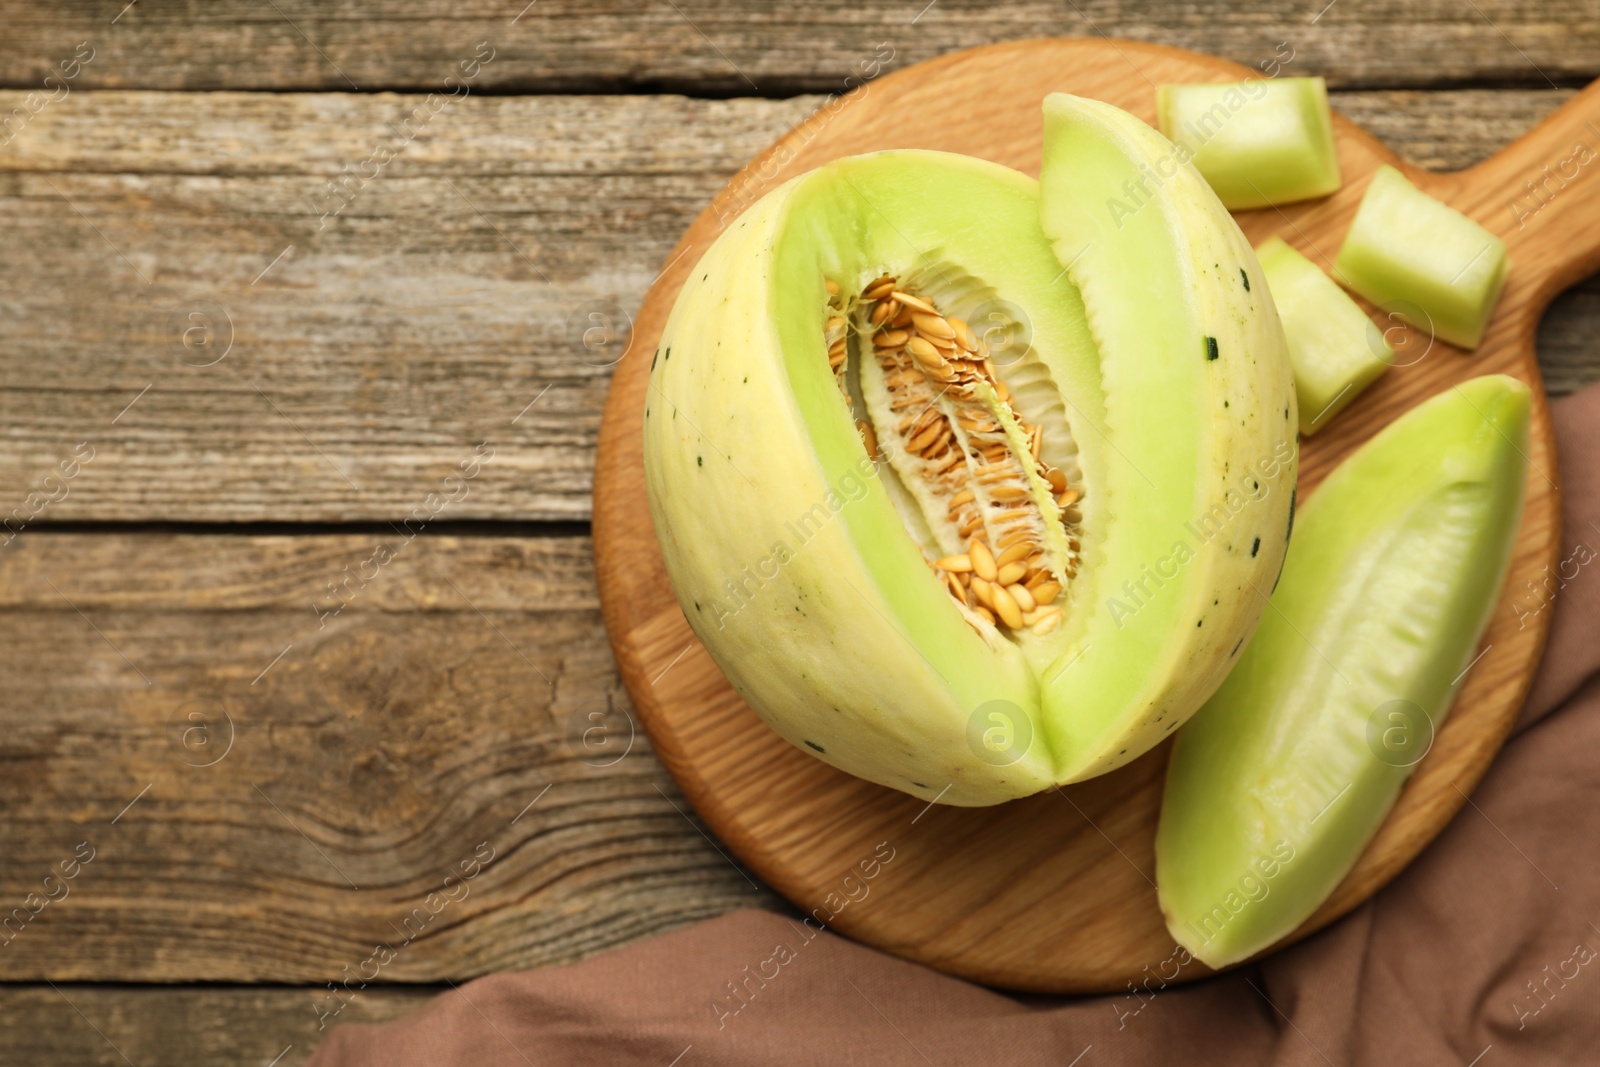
point(1336, 351)
point(951, 513)
point(1276, 786)
point(1257, 143)
point(1422, 260)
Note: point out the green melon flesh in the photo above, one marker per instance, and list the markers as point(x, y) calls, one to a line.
point(1335, 349)
point(803, 567)
point(1423, 261)
point(1257, 143)
point(1276, 786)
point(1201, 410)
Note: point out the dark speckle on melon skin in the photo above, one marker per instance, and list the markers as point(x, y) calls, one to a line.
point(699, 461)
point(1255, 548)
point(1236, 648)
point(1211, 350)
point(813, 744)
point(1243, 277)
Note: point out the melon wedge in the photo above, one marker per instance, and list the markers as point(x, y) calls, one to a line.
point(1279, 782)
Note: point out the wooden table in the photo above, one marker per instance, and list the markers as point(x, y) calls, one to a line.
point(300, 624)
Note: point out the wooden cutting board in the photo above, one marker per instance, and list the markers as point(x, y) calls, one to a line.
point(1056, 892)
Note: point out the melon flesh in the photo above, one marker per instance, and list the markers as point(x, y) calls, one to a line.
point(1276, 786)
point(809, 571)
point(1258, 143)
point(1200, 406)
point(1422, 261)
point(1336, 351)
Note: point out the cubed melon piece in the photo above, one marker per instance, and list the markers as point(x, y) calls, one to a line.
point(1257, 143)
point(1422, 261)
point(1335, 349)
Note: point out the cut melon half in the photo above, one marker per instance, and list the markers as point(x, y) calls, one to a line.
point(898, 476)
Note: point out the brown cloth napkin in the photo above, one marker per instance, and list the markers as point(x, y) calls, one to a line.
point(1482, 953)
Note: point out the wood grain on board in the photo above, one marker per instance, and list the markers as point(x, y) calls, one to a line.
point(1055, 893)
point(750, 47)
point(500, 254)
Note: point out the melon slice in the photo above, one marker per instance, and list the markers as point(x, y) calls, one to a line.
point(1203, 424)
point(1279, 782)
point(900, 474)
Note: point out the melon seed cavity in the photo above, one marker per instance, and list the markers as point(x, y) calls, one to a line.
point(952, 419)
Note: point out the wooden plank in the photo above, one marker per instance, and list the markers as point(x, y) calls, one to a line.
point(392, 338)
point(216, 779)
point(387, 341)
point(183, 1026)
point(1567, 350)
point(750, 48)
point(1448, 130)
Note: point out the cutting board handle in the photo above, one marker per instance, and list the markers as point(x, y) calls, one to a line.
point(1542, 195)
